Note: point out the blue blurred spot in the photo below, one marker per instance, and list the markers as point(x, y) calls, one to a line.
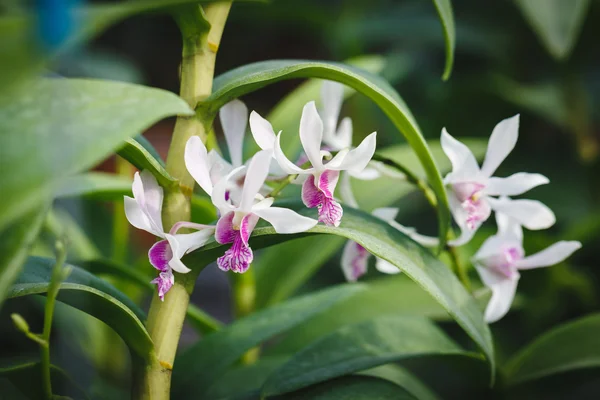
point(55, 22)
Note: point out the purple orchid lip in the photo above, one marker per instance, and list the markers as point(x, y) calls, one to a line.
point(164, 282)
point(237, 258)
point(359, 263)
point(330, 211)
point(160, 254)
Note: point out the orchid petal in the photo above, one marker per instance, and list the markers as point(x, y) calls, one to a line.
point(255, 178)
point(285, 164)
point(160, 254)
point(464, 164)
point(285, 220)
point(330, 212)
point(137, 217)
point(531, 214)
point(327, 182)
point(153, 196)
point(219, 167)
point(515, 184)
point(197, 163)
point(332, 96)
point(311, 195)
point(237, 258)
point(368, 174)
point(262, 131)
point(346, 190)
point(354, 261)
point(461, 216)
point(224, 232)
point(508, 228)
point(357, 159)
point(386, 267)
point(344, 133)
point(184, 243)
point(264, 203)
point(501, 143)
point(503, 294)
point(311, 134)
point(491, 246)
point(218, 196)
point(234, 117)
point(554, 254)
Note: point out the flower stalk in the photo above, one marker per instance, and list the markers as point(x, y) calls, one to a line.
point(165, 319)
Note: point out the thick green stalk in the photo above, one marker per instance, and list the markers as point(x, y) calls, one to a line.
point(165, 319)
point(244, 302)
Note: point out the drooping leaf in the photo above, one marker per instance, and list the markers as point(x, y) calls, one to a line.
point(285, 116)
point(391, 295)
point(248, 78)
point(96, 185)
point(53, 128)
point(277, 280)
point(15, 241)
point(207, 360)
point(383, 241)
point(359, 347)
point(352, 387)
point(27, 377)
point(200, 320)
point(91, 295)
point(403, 378)
point(557, 23)
point(444, 9)
point(138, 155)
point(572, 346)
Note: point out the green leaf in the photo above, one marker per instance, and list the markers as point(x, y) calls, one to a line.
point(15, 242)
point(57, 127)
point(207, 360)
point(383, 241)
point(138, 155)
point(557, 23)
point(359, 347)
point(444, 9)
point(26, 376)
point(249, 78)
point(572, 346)
point(91, 295)
point(403, 378)
point(95, 185)
point(200, 320)
point(286, 114)
point(391, 295)
point(352, 388)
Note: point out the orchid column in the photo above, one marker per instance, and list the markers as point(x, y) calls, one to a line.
point(165, 319)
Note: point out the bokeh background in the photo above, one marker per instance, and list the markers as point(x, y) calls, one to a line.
point(502, 67)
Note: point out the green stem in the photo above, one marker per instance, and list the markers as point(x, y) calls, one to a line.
point(165, 319)
point(58, 275)
point(282, 185)
point(244, 302)
point(459, 267)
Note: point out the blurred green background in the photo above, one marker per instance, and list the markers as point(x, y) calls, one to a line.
point(505, 64)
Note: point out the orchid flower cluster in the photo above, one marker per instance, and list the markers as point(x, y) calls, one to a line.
point(240, 193)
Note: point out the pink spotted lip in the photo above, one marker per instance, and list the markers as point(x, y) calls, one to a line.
point(505, 263)
point(239, 256)
point(321, 197)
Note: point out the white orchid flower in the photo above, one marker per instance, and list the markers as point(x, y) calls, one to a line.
point(339, 137)
point(264, 136)
point(500, 258)
point(144, 212)
point(318, 190)
point(470, 187)
point(355, 258)
point(239, 219)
